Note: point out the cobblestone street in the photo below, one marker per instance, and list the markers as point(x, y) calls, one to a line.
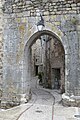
point(41, 107)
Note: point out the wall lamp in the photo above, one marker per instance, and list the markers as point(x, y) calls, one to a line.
point(40, 24)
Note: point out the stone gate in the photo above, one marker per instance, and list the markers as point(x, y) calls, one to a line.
point(62, 20)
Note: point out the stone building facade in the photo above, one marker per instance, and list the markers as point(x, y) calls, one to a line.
point(62, 21)
point(54, 64)
point(37, 58)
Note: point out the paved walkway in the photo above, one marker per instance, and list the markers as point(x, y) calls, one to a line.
point(41, 107)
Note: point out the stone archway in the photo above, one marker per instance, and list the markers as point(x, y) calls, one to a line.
point(27, 55)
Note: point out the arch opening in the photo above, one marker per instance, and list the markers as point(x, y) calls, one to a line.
point(51, 69)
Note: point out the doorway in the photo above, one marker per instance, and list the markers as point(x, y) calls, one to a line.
point(36, 70)
point(56, 78)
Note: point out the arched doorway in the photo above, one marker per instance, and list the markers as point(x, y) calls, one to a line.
point(56, 71)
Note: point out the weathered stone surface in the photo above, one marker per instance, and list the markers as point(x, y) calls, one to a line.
point(48, 7)
point(1, 50)
point(71, 101)
point(63, 20)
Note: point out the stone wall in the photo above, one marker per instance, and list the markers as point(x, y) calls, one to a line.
point(36, 56)
point(57, 58)
point(48, 7)
point(1, 49)
point(13, 59)
point(18, 29)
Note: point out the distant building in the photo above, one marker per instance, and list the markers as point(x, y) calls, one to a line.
point(49, 58)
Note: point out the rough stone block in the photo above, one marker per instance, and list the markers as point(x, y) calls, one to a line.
point(70, 101)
